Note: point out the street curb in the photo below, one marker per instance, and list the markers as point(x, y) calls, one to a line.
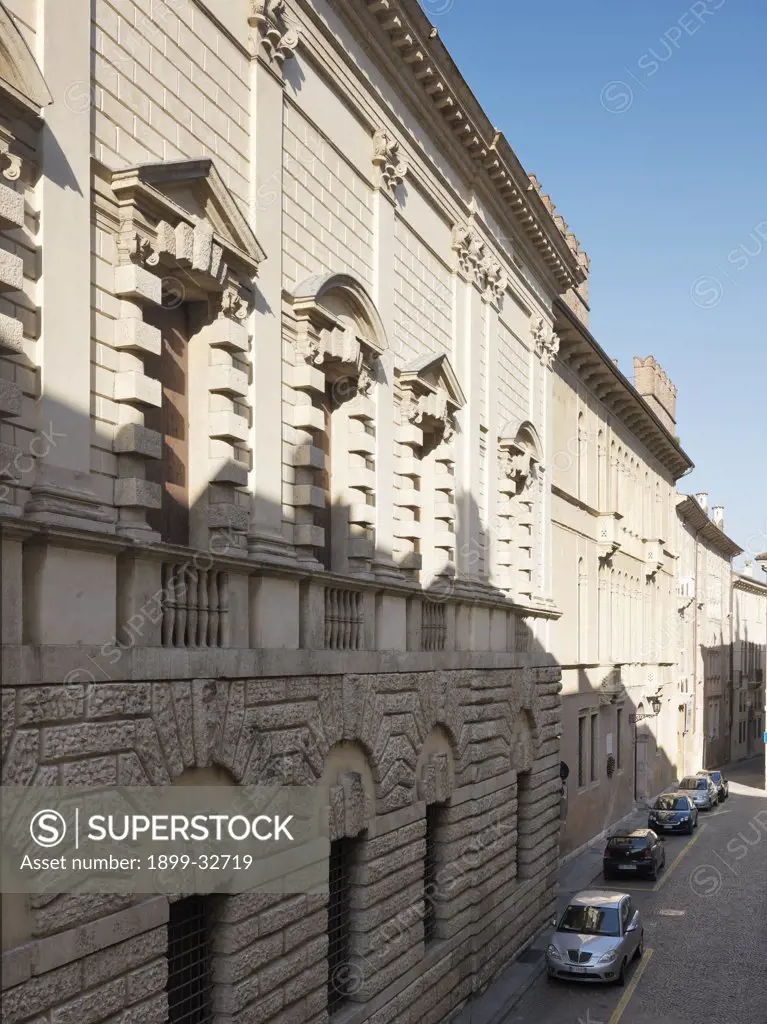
point(519, 995)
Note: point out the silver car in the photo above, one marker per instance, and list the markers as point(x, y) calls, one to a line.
point(701, 790)
point(597, 937)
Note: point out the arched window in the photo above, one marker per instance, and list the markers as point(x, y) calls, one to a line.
point(601, 473)
point(583, 463)
point(582, 604)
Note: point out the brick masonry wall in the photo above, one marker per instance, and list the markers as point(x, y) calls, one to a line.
point(103, 958)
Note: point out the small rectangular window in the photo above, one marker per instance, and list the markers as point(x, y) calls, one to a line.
point(594, 759)
point(189, 984)
point(339, 924)
point(581, 751)
point(433, 816)
point(618, 734)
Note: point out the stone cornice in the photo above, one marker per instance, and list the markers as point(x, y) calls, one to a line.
point(340, 66)
point(429, 65)
point(581, 353)
point(750, 584)
point(691, 512)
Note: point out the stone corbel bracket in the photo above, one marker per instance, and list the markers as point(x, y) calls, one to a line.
point(271, 31)
point(391, 167)
point(436, 781)
point(347, 807)
point(545, 340)
point(476, 263)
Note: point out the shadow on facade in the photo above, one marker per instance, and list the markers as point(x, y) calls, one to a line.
point(159, 660)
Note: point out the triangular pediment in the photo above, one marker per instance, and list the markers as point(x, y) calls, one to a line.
point(433, 374)
point(195, 190)
point(20, 77)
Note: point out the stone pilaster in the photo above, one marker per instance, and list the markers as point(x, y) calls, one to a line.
point(383, 293)
point(271, 44)
point(62, 490)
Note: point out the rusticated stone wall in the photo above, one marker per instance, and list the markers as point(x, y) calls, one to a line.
point(481, 743)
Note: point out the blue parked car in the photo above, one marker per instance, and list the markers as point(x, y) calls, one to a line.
point(673, 812)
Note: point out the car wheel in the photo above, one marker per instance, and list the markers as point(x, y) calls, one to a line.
point(690, 828)
point(621, 979)
point(654, 874)
point(640, 948)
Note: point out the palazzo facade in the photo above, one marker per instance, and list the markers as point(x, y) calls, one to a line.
point(277, 327)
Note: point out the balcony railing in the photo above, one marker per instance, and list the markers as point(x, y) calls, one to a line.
point(195, 606)
point(344, 620)
point(433, 626)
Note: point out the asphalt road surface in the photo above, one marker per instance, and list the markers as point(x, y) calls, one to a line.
point(705, 923)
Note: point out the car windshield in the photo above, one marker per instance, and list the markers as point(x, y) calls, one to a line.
point(627, 843)
point(700, 783)
point(671, 803)
point(590, 920)
point(716, 776)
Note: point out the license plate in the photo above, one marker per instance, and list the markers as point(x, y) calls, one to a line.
point(578, 970)
point(625, 867)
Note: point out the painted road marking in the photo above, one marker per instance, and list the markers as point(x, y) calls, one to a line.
point(675, 862)
point(620, 1009)
point(672, 913)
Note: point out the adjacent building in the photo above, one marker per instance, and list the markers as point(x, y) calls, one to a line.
point(615, 464)
point(705, 598)
point(749, 651)
point(277, 331)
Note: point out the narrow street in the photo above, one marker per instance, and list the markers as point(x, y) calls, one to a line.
point(705, 924)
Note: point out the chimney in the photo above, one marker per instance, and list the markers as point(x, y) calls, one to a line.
point(702, 500)
point(717, 514)
point(748, 569)
point(653, 384)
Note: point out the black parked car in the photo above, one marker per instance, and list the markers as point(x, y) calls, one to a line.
point(673, 812)
point(721, 783)
point(640, 852)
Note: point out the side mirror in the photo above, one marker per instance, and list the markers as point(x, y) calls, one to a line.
point(634, 923)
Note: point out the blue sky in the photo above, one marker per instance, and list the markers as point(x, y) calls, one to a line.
point(647, 124)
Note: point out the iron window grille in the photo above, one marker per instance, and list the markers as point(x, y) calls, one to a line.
point(433, 815)
point(339, 923)
point(189, 985)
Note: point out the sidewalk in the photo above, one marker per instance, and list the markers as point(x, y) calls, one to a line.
point(579, 871)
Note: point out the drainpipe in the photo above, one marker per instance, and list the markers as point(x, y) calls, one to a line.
point(696, 716)
point(731, 661)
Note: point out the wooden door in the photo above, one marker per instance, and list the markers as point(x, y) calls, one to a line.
point(171, 367)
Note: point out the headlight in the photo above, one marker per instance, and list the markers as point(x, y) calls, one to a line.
point(554, 953)
point(608, 957)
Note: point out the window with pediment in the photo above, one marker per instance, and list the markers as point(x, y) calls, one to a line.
point(186, 263)
point(424, 493)
point(338, 338)
point(520, 476)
